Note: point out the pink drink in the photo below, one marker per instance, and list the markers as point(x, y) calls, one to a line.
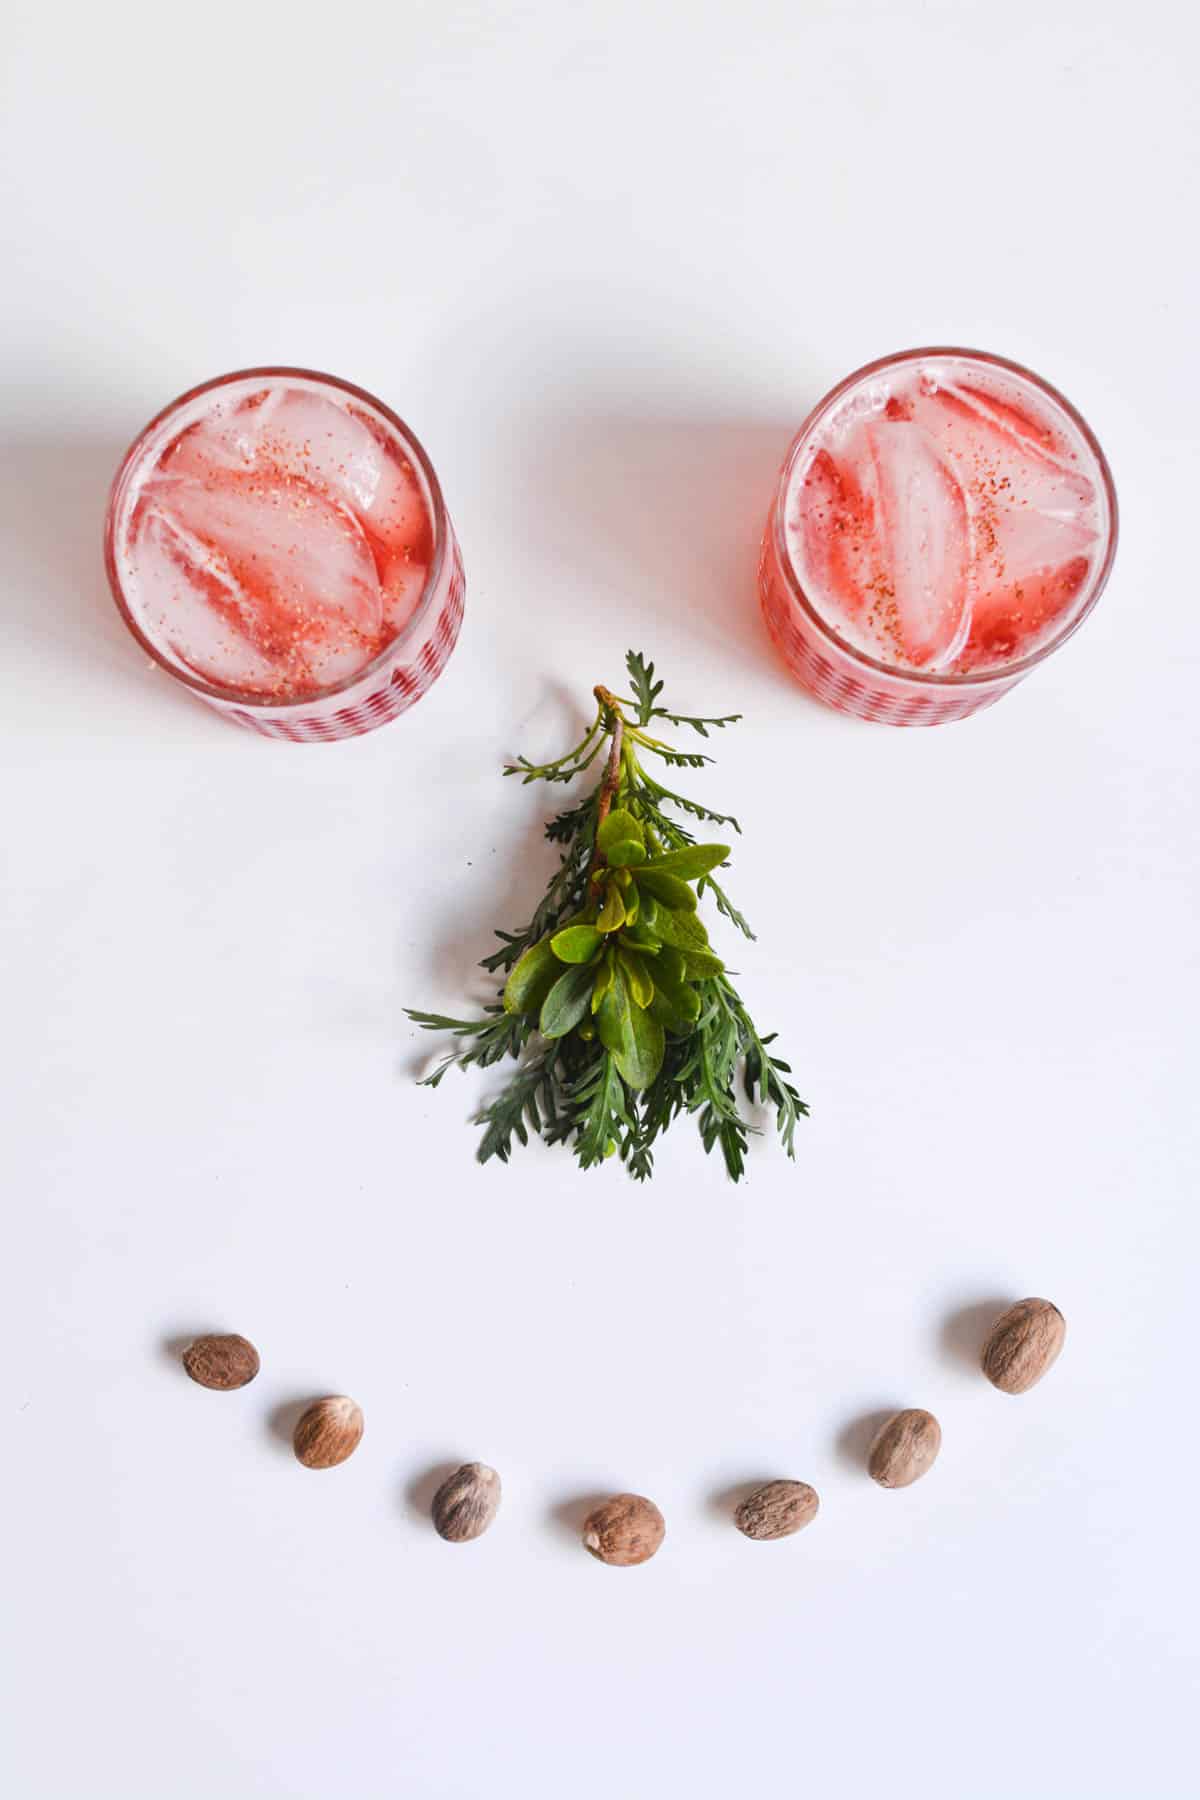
point(944, 521)
point(277, 541)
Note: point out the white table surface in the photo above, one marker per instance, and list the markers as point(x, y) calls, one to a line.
point(604, 258)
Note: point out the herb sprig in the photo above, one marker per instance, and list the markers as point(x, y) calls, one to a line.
point(616, 1009)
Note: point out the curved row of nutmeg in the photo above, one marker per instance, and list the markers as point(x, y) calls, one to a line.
point(628, 1529)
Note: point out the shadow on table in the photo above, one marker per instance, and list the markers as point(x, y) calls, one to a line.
point(965, 1330)
point(667, 513)
point(570, 1514)
point(419, 1491)
point(172, 1346)
point(284, 1417)
point(854, 1440)
point(723, 1502)
point(53, 496)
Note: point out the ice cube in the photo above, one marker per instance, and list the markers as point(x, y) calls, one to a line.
point(920, 599)
point(196, 610)
point(997, 444)
point(283, 539)
point(285, 567)
point(1012, 620)
point(338, 450)
point(328, 446)
point(1015, 543)
point(1009, 415)
point(402, 581)
point(835, 523)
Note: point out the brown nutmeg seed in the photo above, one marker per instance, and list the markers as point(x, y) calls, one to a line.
point(624, 1531)
point(905, 1448)
point(776, 1510)
point(221, 1361)
point(1023, 1345)
point(328, 1432)
point(465, 1505)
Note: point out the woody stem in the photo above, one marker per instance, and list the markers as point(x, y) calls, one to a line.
point(612, 771)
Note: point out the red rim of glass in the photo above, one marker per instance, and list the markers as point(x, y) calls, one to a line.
point(239, 696)
point(919, 677)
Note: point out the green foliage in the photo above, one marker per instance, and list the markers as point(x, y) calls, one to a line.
point(682, 930)
point(567, 1002)
point(619, 1016)
point(532, 979)
point(619, 827)
point(701, 964)
point(688, 863)
point(576, 943)
point(637, 975)
point(641, 1059)
point(646, 691)
point(668, 889)
point(626, 854)
point(612, 914)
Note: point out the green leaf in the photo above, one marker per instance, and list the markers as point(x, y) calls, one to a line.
point(597, 1103)
point(702, 963)
point(692, 861)
point(669, 1018)
point(604, 980)
point(646, 689)
point(641, 985)
point(632, 1037)
point(625, 854)
point(638, 938)
point(567, 1002)
point(612, 913)
point(682, 998)
point(576, 943)
point(620, 827)
point(531, 979)
point(682, 930)
point(671, 962)
point(667, 889)
point(725, 905)
point(613, 1016)
point(641, 1061)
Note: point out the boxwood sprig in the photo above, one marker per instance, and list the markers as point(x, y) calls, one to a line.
point(618, 1012)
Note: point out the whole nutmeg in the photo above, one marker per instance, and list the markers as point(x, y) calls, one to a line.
point(465, 1505)
point(1022, 1345)
point(905, 1448)
point(624, 1531)
point(776, 1510)
point(222, 1361)
point(328, 1432)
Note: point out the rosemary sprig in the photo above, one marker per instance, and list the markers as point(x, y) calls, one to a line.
point(618, 1013)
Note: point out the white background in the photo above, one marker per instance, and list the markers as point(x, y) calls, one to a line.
point(603, 257)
